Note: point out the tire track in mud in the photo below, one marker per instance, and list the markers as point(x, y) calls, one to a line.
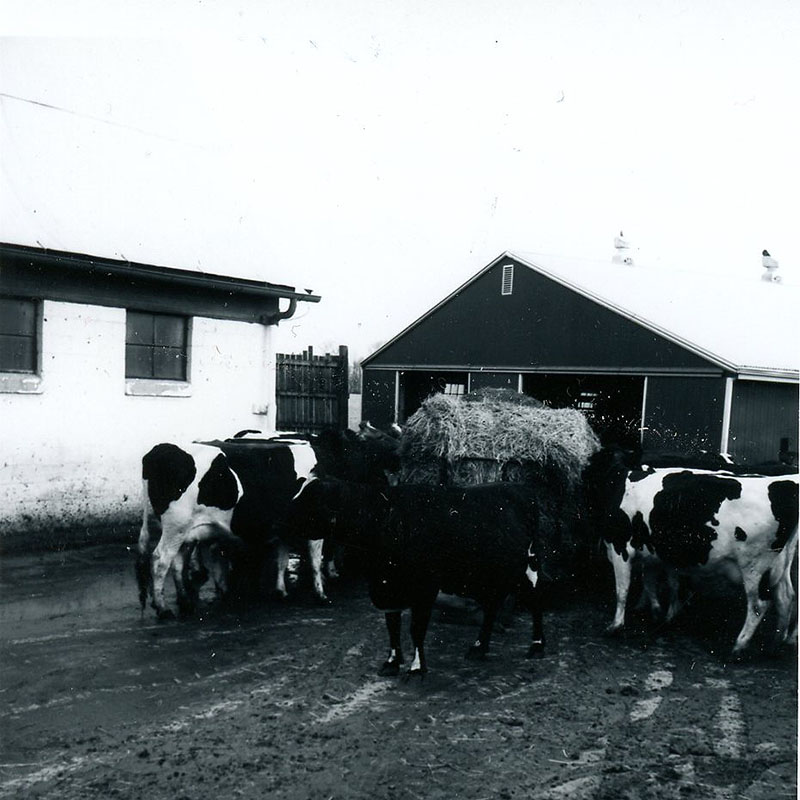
point(62, 765)
point(686, 732)
point(68, 775)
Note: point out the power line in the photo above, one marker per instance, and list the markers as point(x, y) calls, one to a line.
point(63, 110)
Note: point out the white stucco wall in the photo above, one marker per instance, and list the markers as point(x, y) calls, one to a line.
point(70, 455)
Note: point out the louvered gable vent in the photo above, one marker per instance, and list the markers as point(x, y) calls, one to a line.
point(507, 285)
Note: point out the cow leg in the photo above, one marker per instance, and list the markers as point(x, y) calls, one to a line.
point(330, 569)
point(144, 573)
point(674, 584)
point(783, 593)
point(480, 649)
point(650, 573)
point(420, 617)
point(186, 570)
point(329, 551)
point(393, 625)
point(791, 636)
point(622, 580)
point(315, 557)
point(163, 557)
point(756, 608)
point(532, 597)
point(218, 566)
point(282, 564)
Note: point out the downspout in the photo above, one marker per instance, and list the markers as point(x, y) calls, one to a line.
point(274, 317)
point(265, 406)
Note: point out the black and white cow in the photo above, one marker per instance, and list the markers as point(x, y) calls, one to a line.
point(697, 522)
point(478, 542)
point(216, 502)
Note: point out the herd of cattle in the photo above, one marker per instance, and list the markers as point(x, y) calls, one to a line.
point(232, 510)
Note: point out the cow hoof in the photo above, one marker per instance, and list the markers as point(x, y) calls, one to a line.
point(417, 672)
point(476, 653)
point(614, 632)
point(323, 600)
point(164, 614)
point(536, 650)
point(737, 657)
point(389, 669)
point(186, 610)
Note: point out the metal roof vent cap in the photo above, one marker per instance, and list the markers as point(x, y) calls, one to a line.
point(771, 266)
point(622, 247)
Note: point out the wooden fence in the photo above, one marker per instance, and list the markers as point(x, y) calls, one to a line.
point(312, 391)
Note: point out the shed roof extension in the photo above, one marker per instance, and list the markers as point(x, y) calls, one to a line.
point(81, 277)
point(748, 327)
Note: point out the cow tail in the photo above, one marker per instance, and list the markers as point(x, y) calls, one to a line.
point(786, 560)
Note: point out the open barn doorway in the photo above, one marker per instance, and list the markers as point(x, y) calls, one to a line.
point(417, 386)
point(612, 403)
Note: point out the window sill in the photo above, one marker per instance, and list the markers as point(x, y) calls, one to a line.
point(147, 387)
point(20, 383)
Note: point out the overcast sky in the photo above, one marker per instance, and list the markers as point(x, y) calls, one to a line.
point(380, 153)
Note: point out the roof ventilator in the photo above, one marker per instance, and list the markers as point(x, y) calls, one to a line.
point(622, 247)
point(507, 284)
point(771, 266)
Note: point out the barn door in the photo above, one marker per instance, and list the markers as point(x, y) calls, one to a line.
point(611, 403)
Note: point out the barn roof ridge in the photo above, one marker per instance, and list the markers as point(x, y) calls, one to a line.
point(656, 298)
point(678, 305)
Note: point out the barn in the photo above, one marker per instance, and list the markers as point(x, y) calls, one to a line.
point(661, 357)
point(99, 360)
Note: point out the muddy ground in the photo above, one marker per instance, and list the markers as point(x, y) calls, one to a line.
point(282, 701)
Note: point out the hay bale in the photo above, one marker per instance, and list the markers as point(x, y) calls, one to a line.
point(485, 437)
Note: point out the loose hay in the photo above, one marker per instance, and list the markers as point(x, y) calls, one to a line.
point(494, 435)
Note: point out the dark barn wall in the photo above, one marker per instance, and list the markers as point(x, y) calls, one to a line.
point(377, 396)
point(761, 416)
point(542, 325)
point(684, 413)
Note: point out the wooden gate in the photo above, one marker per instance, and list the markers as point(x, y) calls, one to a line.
point(312, 391)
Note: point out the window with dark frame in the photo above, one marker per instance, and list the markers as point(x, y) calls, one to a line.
point(19, 340)
point(156, 346)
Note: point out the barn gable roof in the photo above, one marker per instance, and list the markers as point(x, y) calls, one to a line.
point(749, 327)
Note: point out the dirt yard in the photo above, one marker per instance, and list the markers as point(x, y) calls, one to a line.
point(282, 701)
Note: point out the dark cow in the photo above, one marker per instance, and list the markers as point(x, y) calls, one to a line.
point(696, 522)
point(219, 506)
point(478, 542)
point(272, 471)
point(232, 493)
point(359, 457)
